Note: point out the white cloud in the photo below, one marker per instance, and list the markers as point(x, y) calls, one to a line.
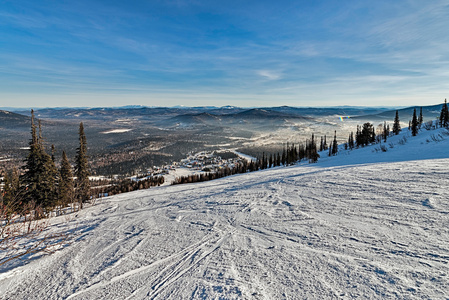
point(270, 75)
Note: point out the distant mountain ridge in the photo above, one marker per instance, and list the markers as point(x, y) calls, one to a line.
point(11, 119)
point(405, 114)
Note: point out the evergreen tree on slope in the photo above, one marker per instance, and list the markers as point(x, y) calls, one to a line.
point(444, 115)
point(40, 178)
point(82, 169)
point(66, 188)
point(414, 124)
point(396, 125)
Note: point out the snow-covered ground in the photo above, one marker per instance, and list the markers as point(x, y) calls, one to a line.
point(116, 131)
point(362, 225)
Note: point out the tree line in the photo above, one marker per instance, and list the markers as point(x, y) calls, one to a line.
point(105, 188)
point(291, 154)
point(41, 182)
point(42, 186)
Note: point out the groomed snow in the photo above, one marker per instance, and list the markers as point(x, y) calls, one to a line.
point(358, 225)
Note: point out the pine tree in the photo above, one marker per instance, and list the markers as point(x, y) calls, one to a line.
point(82, 169)
point(351, 140)
point(421, 118)
point(358, 137)
point(40, 177)
point(48, 177)
point(30, 177)
point(312, 152)
point(396, 124)
point(365, 135)
point(66, 188)
point(53, 150)
point(414, 124)
point(444, 115)
point(385, 131)
point(335, 144)
point(11, 188)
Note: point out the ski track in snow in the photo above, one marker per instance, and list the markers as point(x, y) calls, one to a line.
point(328, 230)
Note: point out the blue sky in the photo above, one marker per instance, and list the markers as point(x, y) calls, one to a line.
point(244, 53)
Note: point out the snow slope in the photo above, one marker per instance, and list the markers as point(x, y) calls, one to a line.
point(358, 225)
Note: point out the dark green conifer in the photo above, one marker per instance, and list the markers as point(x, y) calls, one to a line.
point(11, 188)
point(53, 150)
point(444, 115)
point(66, 188)
point(396, 124)
point(40, 177)
point(414, 124)
point(82, 169)
point(421, 118)
point(312, 150)
point(351, 140)
point(335, 144)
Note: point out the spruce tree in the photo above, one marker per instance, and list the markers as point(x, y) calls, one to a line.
point(444, 115)
point(53, 150)
point(30, 177)
point(414, 124)
point(335, 144)
point(351, 140)
point(421, 118)
point(385, 132)
point(312, 152)
point(11, 188)
point(66, 188)
point(365, 134)
point(40, 177)
point(48, 177)
point(396, 125)
point(82, 169)
point(358, 137)
point(284, 157)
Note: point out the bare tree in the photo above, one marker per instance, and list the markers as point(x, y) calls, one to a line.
point(24, 232)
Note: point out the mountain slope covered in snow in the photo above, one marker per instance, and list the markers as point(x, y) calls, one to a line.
point(365, 223)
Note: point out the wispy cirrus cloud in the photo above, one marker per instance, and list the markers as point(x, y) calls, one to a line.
point(268, 74)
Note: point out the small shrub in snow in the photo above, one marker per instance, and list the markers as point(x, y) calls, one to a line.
point(445, 132)
point(428, 125)
point(437, 138)
point(381, 148)
point(403, 141)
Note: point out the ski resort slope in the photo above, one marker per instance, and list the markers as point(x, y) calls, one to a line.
point(363, 224)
